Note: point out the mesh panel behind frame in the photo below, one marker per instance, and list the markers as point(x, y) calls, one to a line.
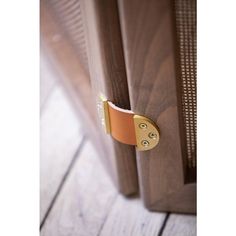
point(186, 31)
point(69, 16)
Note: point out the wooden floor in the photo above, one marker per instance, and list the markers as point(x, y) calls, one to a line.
point(77, 196)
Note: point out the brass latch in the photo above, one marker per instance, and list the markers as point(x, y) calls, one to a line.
point(127, 127)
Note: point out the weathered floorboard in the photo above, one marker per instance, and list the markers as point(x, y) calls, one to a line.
point(90, 205)
point(129, 217)
point(180, 225)
point(59, 139)
point(85, 200)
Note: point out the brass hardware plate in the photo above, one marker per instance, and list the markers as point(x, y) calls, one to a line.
point(103, 113)
point(147, 133)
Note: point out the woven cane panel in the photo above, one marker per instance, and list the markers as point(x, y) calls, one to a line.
point(68, 14)
point(186, 31)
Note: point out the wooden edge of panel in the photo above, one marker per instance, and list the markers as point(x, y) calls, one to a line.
point(77, 87)
point(121, 169)
point(155, 92)
point(108, 76)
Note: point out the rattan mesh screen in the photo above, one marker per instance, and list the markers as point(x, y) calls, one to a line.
point(68, 14)
point(186, 31)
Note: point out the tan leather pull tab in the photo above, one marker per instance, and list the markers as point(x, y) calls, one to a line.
point(127, 127)
point(122, 124)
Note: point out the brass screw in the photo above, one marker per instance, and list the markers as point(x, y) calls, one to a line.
point(152, 135)
point(145, 143)
point(142, 126)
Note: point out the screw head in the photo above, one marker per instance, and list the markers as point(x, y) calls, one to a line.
point(152, 135)
point(145, 143)
point(142, 126)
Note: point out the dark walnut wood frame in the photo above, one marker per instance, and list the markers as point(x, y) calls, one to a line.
point(153, 71)
point(119, 159)
point(108, 76)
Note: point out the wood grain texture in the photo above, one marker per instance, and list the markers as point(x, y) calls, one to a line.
point(85, 199)
point(90, 205)
point(129, 217)
point(149, 38)
point(180, 225)
point(119, 161)
point(60, 136)
point(108, 76)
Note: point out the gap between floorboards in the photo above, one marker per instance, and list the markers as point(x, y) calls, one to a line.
point(63, 180)
point(163, 225)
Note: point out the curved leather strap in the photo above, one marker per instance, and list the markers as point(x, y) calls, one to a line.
point(127, 127)
point(122, 124)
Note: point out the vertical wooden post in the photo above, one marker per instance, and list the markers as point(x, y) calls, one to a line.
point(153, 71)
point(107, 73)
point(108, 76)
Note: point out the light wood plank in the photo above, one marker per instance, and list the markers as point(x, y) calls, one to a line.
point(130, 217)
point(85, 200)
point(90, 205)
point(180, 225)
point(60, 137)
